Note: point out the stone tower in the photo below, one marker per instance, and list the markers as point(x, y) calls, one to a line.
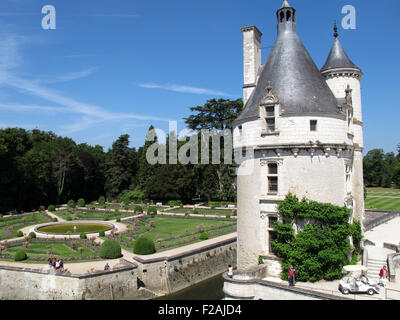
point(299, 132)
point(343, 78)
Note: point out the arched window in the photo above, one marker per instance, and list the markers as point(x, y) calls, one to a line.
point(288, 16)
point(282, 17)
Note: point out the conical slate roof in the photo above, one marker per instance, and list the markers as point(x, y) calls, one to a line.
point(338, 58)
point(294, 78)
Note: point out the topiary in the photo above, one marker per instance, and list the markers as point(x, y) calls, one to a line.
point(110, 249)
point(152, 210)
point(20, 233)
point(81, 202)
point(55, 219)
point(83, 235)
point(118, 220)
point(20, 255)
point(71, 204)
point(144, 245)
point(32, 235)
point(51, 208)
point(138, 209)
point(105, 218)
point(204, 236)
point(102, 200)
point(101, 233)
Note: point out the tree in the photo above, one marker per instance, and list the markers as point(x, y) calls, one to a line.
point(217, 115)
point(118, 173)
point(373, 168)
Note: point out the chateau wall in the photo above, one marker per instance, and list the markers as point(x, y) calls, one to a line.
point(173, 273)
point(292, 130)
point(28, 284)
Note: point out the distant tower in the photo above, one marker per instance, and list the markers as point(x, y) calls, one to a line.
point(343, 77)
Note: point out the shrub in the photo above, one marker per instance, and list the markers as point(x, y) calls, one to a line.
point(55, 219)
point(228, 215)
point(19, 233)
point(101, 233)
point(204, 236)
point(68, 218)
point(51, 208)
point(110, 249)
point(83, 235)
point(102, 200)
point(118, 219)
point(138, 209)
point(20, 255)
point(32, 235)
point(196, 211)
point(81, 202)
point(105, 218)
point(71, 204)
point(152, 210)
point(235, 213)
point(260, 260)
point(144, 245)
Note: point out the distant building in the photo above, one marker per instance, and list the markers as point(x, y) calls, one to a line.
point(300, 132)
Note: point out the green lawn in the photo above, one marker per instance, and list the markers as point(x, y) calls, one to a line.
point(91, 214)
point(201, 211)
point(39, 250)
point(171, 232)
point(383, 203)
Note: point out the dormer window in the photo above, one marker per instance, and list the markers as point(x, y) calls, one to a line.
point(270, 119)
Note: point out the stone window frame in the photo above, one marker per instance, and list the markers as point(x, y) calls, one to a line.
point(278, 162)
point(271, 231)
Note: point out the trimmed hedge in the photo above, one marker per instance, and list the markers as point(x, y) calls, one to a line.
point(102, 200)
point(81, 202)
point(110, 249)
point(51, 208)
point(204, 236)
point(71, 204)
point(32, 235)
point(20, 256)
point(144, 245)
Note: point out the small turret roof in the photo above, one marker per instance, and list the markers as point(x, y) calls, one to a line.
point(338, 58)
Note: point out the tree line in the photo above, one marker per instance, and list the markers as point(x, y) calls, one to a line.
point(382, 169)
point(41, 168)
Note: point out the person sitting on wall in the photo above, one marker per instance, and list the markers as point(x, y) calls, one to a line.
point(230, 271)
point(106, 267)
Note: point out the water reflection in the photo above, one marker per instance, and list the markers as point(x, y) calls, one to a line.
point(210, 289)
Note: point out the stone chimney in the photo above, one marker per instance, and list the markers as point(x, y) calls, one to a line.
point(251, 59)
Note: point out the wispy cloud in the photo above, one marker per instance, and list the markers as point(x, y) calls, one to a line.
point(183, 89)
point(68, 76)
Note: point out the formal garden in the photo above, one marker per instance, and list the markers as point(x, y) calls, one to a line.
point(159, 227)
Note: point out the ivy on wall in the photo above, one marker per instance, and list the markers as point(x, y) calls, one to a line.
point(320, 250)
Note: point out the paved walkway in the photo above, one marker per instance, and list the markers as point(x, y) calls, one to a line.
point(388, 232)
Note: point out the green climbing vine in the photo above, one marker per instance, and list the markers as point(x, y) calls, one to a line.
point(320, 250)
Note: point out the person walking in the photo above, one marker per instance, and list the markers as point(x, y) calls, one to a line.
point(292, 273)
point(383, 276)
point(230, 271)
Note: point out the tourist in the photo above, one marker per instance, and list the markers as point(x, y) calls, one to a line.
point(57, 264)
point(106, 267)
point(292, 273)
point(383, 276)
point(230, 271)
point(61, 264)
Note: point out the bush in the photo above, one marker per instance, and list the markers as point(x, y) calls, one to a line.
point(68, 218)
point(152, 210)
point(102, 200)
point(55, 219)
point(51, 208)
point(260, 260)
point(101, 233)
point(196, 211)
point(118, 219)
point(228, 215)
point(19, 233)
point(138, 209)
point(20, 255)
point(106, 218)
point(144, 245)
point(83, 235)
point(81, 202)
point(32, 235)
point(110, 249)
point(204, 236)
point(71, 204)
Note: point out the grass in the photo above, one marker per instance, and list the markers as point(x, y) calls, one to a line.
point(91, 214)
point(201, 211)
point(383, 199)
point(176, 232)
point(41, 250)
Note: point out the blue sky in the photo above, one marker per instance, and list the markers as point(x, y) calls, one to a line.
point(117, 66)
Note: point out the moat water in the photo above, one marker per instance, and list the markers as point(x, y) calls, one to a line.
point(210, 289)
